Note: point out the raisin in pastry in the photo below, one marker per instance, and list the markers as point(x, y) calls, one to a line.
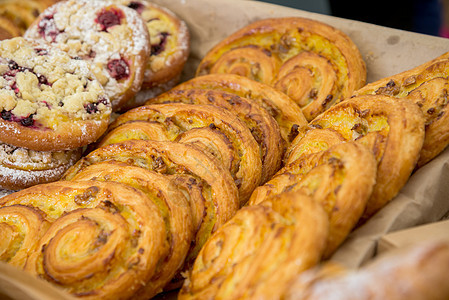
point(48, 100)
point(112, 37)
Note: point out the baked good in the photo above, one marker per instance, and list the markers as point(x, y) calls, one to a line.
point(21, 168)
point(112, 37)
point(393, 129)
point(256, 253)
point(313, 63)
point(8, 29)
point(170, 47)
point(286, 113)
point(49, 101)
point(211, 129)
point(262, 125)
point(104, 239)
point(415, 273)
point(340, 179)
point(426, 85)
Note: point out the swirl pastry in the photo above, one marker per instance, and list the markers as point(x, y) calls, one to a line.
point(426, 85)
point(393, 129)
point(173, 206)
point(313, 63)
point(49, 101)
point(212, 129)
point(105, 240)
point(418, 273)
point(112, 37)
point(340, 179)
point(286, 113)
point(213, 194)
point(21, 168)
point(170, 47)
point(263, 127)
point(259, 250)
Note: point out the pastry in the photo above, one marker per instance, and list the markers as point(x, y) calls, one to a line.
point(104, 240)
point(313, 63)
point(112, 37)
point(340, 179)
point(49, 101)
point(174, 208)
point(8, 29)
point(21, 168)
point(262, 125)
point(170, 47)
point(286, 113)
point(213, 130)
point(426, 85)
point(416, 273)
point(256, 253)
point(393, 129)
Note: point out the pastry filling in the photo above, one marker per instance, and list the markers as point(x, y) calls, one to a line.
point(109, 17)
point(118, 69)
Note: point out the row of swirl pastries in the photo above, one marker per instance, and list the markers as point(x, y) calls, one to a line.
point(163, 190)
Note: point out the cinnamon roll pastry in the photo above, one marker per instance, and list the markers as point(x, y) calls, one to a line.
point(313, 63)
point(262, 125)
point(21, 168)
point(105, 240)
point(393, 129)
point(417, 273)
point(283, 109)
point(214, 130)
point(340, 179)
point(213, 197)
point(21, 227)
point(426, 85)
point(172, 204)
point(256, 253)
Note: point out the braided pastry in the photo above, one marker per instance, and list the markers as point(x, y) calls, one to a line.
point(211, 129)
point(122, 241)
point(340, 178)
point(259, 250)
point(263, 127)
point(426, 85)
point(112, 37)
point(393, 129)
point(312, 62)
point(286, 113)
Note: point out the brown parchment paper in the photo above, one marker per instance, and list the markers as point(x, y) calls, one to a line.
point(386, 52)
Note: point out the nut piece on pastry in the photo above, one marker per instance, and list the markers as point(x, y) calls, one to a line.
point(48, 100)
point(212, 129)
point(313, 63)
point(21, 168)
point(393, 129)
point(112, 37)
point(340, 179)
point(104, 240)
point(212, 191)
point(262, 125)
point(416, 273)
point(287, 114)
point(169, 199)
point(256, 253)
point(426, 85)
point(170, 47)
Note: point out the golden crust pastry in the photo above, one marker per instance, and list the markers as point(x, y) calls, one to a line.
point(262, 125)
point(104, 241)
point(312, 62)
point(393, 129)
point(212, 129)
point(340, 179)
point(8, 29)
point(419, 273)
point(170, 201)
point(426, 85)
point(259, 250)
point(286, 113)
